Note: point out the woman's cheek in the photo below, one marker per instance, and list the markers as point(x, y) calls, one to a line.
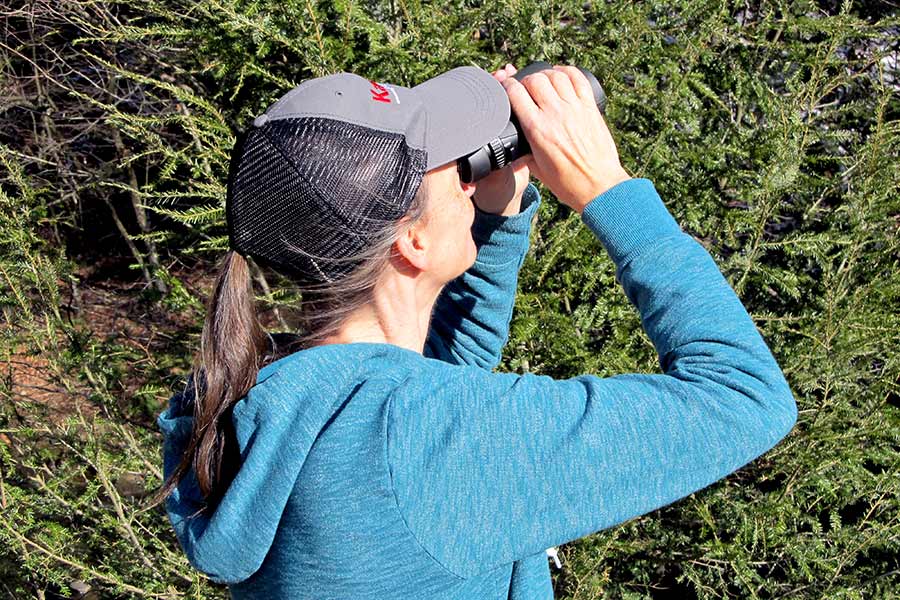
point(473, 249)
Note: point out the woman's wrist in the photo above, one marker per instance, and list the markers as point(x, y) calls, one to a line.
point(512, 210)
point(602, 186)
point(513, 207)
point(628, 217)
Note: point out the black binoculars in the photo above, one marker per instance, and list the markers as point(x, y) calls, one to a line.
point(511, 143)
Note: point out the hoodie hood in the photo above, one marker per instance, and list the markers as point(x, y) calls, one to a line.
point(276, 424)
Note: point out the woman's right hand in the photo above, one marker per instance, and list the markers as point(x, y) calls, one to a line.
point(573, 153)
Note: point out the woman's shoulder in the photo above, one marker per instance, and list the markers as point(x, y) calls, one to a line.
point(408, 372)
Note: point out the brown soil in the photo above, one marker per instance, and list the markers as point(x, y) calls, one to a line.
point(109, 308)
point(36, 393)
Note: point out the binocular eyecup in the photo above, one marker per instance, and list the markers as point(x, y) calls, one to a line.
point(511, 143)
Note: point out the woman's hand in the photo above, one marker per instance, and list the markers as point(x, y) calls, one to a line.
point(572, 150)
point(500, 193)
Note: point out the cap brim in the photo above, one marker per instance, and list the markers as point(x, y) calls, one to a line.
point(466, 107)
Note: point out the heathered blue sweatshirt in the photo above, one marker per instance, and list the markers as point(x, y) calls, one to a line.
point(372, 471)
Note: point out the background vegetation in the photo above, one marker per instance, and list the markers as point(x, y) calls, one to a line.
point(770, 129)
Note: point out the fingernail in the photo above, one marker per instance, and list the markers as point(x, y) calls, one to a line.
point(508, 66)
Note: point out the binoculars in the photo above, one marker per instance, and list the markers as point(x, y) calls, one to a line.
point(511, 143)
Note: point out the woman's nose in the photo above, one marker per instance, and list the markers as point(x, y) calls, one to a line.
point(468, 188)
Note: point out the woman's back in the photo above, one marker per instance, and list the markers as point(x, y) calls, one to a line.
point(371, 471)
point(342, 534)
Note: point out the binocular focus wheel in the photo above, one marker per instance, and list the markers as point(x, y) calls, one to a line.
point(499, 152)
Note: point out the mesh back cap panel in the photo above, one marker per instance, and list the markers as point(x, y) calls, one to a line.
point(307, 191)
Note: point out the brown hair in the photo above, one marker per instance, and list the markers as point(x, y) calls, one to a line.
point(234, 346)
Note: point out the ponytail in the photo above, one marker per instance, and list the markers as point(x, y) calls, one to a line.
point(232, 347)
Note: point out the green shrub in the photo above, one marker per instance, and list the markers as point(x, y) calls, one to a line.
point(770, 130)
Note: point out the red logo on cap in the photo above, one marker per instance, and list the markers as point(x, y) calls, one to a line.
point(379, 92)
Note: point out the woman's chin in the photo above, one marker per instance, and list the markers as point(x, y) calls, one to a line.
point(473, 254)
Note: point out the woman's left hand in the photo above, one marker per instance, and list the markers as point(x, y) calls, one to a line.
point(500, 193)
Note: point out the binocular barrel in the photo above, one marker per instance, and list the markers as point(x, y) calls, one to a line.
point(511, 143)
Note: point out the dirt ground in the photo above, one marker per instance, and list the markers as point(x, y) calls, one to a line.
point(43, 390)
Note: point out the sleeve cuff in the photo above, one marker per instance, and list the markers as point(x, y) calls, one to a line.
point(502, 239)
point(628, 217)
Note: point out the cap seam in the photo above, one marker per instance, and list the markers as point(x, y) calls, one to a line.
point(343, 119)
point(310, 184)
point(305, 85)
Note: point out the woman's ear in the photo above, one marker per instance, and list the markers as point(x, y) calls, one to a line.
point(413, 245)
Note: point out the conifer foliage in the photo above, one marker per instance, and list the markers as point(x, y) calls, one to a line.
point(770, 129)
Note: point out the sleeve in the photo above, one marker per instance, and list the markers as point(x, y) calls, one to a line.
point(470, 322)
point(489, 468)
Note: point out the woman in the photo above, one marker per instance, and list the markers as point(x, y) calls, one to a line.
point(378, 455)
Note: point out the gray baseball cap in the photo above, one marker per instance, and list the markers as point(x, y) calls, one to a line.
point(338, 156)
point(448, 116)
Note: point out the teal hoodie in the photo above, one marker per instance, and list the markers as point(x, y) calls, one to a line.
point(372, 471)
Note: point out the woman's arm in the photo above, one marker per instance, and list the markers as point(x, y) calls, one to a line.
point(489, 468)
point(470, 322)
